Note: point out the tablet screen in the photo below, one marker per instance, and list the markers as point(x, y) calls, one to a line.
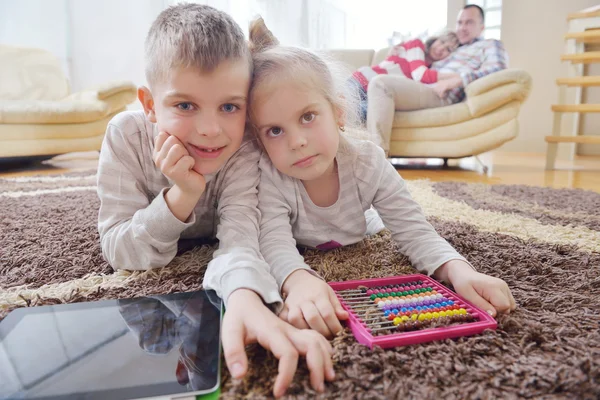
point(116, 349)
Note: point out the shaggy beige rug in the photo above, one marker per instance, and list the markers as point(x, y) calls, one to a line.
point(545, 243)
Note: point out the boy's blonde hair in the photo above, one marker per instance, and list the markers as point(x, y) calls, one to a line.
point(192, 35)
point(274, 62)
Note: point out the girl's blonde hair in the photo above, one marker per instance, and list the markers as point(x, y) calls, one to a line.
point(273, 62)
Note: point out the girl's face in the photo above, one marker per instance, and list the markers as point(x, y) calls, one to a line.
point(442, 48)
point(298, 128)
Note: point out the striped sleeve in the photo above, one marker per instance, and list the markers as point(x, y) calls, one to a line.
point(415, 57)
point(415, 237)
point(136, 233)
point(238, 262)
point(277, 242)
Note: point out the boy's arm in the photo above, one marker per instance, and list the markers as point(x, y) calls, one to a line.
point(415, 237)
point(135, 233)
point(238, 264)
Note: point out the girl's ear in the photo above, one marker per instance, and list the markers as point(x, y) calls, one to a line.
point(340, 116)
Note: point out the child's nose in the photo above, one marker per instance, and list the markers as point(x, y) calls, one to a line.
point(208, 126)
point(297, 140)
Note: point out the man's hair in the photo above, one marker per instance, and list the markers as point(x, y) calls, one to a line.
point(192, 35)
point(481, 13)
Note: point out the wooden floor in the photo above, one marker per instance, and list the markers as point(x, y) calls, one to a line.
point(504, 168)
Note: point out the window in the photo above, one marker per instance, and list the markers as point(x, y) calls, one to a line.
point(493, 17)
point(326, 24)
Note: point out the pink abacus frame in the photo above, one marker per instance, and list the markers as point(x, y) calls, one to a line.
point(363, 335)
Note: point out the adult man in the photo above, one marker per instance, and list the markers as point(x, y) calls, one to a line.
point(474, 59)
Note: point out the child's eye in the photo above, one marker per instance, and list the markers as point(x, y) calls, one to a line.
point(229, 108)
point(308, 117)
point(185, 106)
point(275, 131)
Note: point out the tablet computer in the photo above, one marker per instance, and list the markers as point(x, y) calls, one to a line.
point(164, 346)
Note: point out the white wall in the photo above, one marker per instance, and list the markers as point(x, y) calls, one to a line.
point(97, 41)
point(107, 39)
point(36, 23)
point(538, 52)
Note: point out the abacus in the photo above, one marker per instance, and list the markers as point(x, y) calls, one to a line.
point(409, 309)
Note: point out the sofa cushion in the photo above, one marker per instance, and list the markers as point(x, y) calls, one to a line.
point(77, 108)
point(461, 130)
point(452, 148)
point(31, 74)
point(14, 132)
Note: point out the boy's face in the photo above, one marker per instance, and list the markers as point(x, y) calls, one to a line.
point(205, 111)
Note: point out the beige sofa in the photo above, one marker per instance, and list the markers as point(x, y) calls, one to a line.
point(39, 116)
point(484, 121)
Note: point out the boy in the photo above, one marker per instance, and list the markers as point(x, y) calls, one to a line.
point(182, 168)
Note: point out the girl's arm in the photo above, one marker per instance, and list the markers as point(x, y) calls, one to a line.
point(277, 242)
point(415, 237)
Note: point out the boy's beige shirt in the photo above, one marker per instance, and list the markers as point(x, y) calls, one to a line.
point(138, 231)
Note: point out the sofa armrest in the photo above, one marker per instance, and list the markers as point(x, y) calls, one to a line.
point(497, 89)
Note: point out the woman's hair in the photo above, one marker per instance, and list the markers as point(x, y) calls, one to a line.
point(449, 35)
point(274, 63)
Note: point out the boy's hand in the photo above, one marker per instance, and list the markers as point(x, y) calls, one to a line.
point(248, 320)
point(175, 162)
point(486, 292)
point(311, 303)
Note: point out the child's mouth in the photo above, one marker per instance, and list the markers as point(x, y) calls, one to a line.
point(305, 162)
point(207, 152)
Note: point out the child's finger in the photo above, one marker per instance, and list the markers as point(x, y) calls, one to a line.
point(337, 306)
point(314, 318)
point(232, 337)
point(315, 360)
point(327, 353)
point(296, 318)
point(327, 311)
point(309, 345)
point(470, 294)
point(176, 153)
point(286, 353)
point(159, 141)
point(167, 145)
point(185, 163)
point(499, 299)
point(513, 303)
point(283, 314)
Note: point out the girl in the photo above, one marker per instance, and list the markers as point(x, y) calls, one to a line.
point(385, 88)
point(316, 186)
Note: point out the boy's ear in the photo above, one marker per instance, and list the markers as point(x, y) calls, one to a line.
point(145, 97)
